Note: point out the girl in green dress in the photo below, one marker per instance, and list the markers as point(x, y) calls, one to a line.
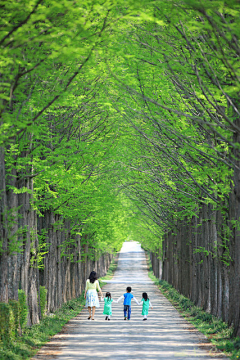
point(145, 305)
point(108, 305)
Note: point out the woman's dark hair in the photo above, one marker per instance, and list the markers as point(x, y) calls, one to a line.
point(145, 296)
point(93, 277)
point(108, 295)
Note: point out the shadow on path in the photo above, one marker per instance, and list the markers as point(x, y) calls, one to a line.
point(165, 335)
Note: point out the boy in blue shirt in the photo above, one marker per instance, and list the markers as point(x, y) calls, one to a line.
point(127, 302)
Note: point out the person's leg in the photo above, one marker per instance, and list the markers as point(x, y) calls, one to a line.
point(93, 312)
point(144, 317)
point(108, 317)
point(125, 311)
point(129, 312)
point(89, 310)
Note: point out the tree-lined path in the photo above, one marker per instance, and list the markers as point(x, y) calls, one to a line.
point(119, 121)
point(165, 335)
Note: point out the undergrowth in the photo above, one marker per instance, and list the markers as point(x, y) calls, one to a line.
point(34, 337)
point(217, 332)
point(25, 346)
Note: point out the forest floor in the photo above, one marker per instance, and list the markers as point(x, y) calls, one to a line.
point(165, 335)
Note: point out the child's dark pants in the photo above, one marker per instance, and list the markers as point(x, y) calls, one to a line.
point(127, 309)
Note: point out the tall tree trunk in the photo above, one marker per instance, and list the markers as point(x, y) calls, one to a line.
point(13, 263)
point(29, 266)
point(194, 255)
point(234, 209)
point(3, 231)
point(214, 264)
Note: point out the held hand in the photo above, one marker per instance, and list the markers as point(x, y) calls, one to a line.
point(152, 307)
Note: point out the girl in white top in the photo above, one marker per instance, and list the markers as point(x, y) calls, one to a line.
point(91, 296)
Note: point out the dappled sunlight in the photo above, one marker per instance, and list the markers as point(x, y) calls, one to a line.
point(165, 335)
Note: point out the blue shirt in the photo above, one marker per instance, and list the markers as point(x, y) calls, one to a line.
point(127, 299)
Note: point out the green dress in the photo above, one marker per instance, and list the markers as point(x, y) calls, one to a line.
point(107, 306)
point(145, 306)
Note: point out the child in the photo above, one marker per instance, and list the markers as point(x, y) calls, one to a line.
point(108, 306)
point(145, 305)
point(127, 302)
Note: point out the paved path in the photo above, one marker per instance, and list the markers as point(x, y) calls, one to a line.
point(165, 335)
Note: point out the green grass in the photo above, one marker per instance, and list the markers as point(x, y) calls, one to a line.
point(217, 332)
point(25, 346)
point(33, 338)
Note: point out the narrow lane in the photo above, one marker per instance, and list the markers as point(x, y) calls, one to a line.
point(165, 335)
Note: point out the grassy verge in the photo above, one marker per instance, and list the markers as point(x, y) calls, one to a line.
point(33, 338)
point(217, 332)
point(26, 346)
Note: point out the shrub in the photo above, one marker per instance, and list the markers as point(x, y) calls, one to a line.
point(237, 343)
point(185, 303)
point(15, 308)
point(205, 316)
point(7, 323)
point(194, 311)
point(43, 300)
point(23, 308)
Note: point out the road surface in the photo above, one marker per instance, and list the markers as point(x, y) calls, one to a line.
point(165, 335)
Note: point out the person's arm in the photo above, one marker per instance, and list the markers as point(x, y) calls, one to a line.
point(136, 300)
point(150, 304)
point(99, 289)
point(116, 301)
point(121, 297)
point(86, 289)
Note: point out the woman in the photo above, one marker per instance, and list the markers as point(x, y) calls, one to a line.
point(91, 296)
